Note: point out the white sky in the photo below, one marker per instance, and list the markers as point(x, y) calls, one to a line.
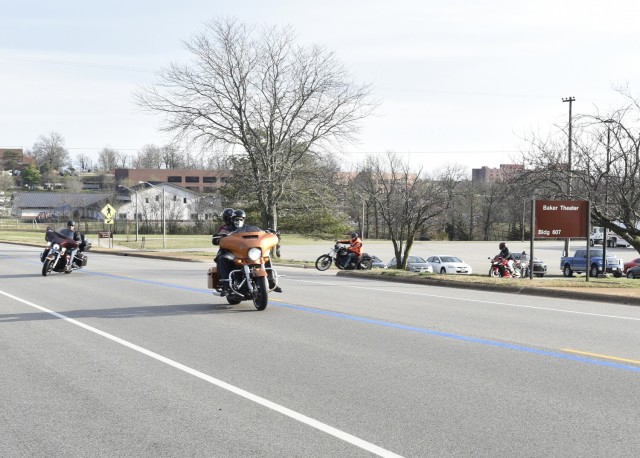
point(459, 81)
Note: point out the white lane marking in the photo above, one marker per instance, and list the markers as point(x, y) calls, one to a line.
point(224, 385)
point(435, 296)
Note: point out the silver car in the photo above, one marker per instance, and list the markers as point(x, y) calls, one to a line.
point(414, 264)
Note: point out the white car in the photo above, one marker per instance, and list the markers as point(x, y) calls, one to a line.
point(445, 264)
point(414, 264)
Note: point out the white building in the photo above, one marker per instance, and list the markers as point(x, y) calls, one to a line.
point(147, 200)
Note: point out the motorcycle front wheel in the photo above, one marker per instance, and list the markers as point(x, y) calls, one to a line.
point(46, 267)
point(494, 273)
point(261, 293)
point(323, 262)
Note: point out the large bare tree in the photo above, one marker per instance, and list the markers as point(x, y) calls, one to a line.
point(257, 93)
point(407, 200)
point(50, 153)
point(605, 167)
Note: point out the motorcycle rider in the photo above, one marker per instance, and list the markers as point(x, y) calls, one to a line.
point(354, 250)
point(70, 231)
point(224, 264)
point(506, 254)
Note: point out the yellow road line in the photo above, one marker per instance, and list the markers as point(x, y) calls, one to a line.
point(624, 360)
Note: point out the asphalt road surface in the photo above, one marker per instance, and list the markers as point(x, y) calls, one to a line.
point(135, 357)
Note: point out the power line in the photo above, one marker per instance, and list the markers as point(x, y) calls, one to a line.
point(76, 64)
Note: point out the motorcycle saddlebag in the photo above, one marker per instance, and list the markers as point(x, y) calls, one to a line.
point(212, 278)
point(81, 260)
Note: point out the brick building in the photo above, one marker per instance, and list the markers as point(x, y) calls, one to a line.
point(204, 181)
point(495, 174)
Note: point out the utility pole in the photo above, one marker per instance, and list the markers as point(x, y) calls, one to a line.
point(570, 100)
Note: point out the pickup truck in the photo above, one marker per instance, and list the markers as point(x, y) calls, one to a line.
point(578, 263)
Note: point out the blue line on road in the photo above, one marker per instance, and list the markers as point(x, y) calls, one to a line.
point(387, 324)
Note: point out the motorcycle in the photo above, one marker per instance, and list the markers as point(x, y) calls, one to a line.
point(253, 277)
point(500, 268)
point(337, 255)
point(56, 257)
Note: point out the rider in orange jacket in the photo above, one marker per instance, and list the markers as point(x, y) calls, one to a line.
point(355, 248)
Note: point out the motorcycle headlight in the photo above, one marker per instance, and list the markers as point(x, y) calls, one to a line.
point(56, 246)
point(254, 254)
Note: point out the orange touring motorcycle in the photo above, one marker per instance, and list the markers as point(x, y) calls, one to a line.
point(252, 277)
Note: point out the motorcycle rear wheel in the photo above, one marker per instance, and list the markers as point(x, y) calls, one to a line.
point(366, 264)
point(46, 267)
point(261, 293)
point(324, 262)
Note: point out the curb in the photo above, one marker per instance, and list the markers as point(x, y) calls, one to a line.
point(542, 292)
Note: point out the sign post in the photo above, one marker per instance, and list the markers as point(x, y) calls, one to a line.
point(109, 214)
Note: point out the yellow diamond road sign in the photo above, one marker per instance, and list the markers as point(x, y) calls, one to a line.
point(109, 214)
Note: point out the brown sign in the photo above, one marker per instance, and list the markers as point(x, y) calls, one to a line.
point(105, 235)
point(561, 219)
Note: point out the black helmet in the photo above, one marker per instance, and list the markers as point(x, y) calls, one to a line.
point(502, 245)
point(227, 214)
point(354, 235)
point(71, 223)
point(238, 218)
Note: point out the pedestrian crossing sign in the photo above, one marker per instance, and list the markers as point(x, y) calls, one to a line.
point(109, 214)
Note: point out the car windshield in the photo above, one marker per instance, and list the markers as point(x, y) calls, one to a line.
point(416, 259)
point(450, 259)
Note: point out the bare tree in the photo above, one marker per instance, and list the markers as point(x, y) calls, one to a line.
point(605, 167)
point(50, 152)
point(171, 157)
point(108, 159)
point(261, 95)
point(83, 161)
point(406, 200)
point(149, 157)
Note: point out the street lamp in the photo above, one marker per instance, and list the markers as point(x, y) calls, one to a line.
point(606, 197)
point(164, 243)
point(136, 215)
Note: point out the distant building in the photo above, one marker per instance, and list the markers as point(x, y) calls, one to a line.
point(47, 205)
point(21, 159)
point(180, 204)
point(488, 174)
point(204, 181)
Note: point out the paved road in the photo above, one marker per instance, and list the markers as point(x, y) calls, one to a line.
point(136, 358)
point(473, 253)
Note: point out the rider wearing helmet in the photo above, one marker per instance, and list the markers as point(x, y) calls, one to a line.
point(506, 254)
point(238, 218)
point(70, 231)
point(224, 265)
point(226, 228)
point(355, 248)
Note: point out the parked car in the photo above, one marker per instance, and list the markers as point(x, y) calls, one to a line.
point(539, 266)
point(377, 262)
point(627, 265)
point(633, 272)
point(447, 264)
point(414, 264)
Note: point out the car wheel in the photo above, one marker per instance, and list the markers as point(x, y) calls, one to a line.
point(567, 272)
point(630, 275)
point(443, 271)
point(594, 271)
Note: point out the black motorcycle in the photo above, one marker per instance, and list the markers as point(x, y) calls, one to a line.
point(56, 257)
point(337, 255)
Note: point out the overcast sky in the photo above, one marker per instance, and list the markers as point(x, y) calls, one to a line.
point(460, 82)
